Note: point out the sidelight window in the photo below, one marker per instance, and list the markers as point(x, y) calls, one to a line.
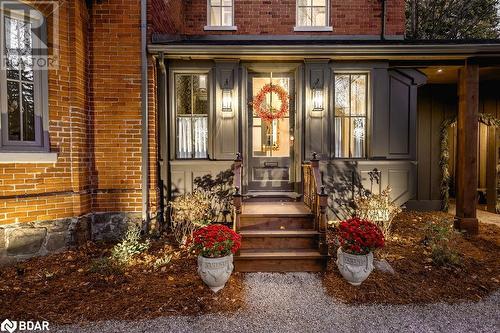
point(191, 99)
point(350, 115)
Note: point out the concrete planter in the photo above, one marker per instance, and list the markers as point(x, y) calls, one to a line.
point(215, 271)
point(354, 268)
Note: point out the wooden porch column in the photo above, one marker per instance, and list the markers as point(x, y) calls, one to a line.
point(467, 136)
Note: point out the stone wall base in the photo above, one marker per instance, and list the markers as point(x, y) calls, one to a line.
point(20, 241)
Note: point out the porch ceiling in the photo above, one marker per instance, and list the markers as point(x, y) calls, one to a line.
point(449, 74)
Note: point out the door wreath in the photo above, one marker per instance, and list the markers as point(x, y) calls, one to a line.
point(268, 114)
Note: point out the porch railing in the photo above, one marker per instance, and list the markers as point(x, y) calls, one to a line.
point(237, 197)
point(316, 198)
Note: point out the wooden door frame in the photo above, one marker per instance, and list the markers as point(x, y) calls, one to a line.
point(295, 69)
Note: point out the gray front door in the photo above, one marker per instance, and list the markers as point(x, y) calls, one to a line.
point(271, 142)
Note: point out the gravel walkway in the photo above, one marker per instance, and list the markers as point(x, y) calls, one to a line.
point(297, 303)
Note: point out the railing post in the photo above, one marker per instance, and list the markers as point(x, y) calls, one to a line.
point(237, 198)
point(322, 223)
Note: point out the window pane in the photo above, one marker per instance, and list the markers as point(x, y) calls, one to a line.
point(228, 3)
point(183, 94)
point(200, 94)
point(304, 2)
point(200, 137)
point(28, 113)
point(358, 95)
point(14, 112)
point(215, 16)
point(341, 95)
point(27, 68)
point(304, 16)
point(184, 139)
point(341, 137)
point(358, 137)
point(227, 16)
point(319, 3)
point(319, 16)
point(215, 2)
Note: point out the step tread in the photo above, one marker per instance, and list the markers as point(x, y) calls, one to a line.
point(275, 209)
point(279, 254)
point(278, 233)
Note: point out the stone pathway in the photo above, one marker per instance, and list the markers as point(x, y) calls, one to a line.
point(482, 215)
point(296, 302)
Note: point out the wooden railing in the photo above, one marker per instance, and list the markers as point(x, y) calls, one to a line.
point(237, 198)
point(316, 198)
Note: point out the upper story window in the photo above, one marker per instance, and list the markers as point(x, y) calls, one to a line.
point(220, 15)
point(313, 15)
point(191, 106)
point(21, 94)
point(351, 103)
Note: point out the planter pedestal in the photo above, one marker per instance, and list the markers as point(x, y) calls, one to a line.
point(354, 268)
point(215, 271)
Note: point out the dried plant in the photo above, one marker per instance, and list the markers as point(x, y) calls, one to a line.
point(130, 245)
point(189, 212)
point(377, 208)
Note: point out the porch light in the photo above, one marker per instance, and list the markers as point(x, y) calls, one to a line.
point(317, 100)
point(227, 97)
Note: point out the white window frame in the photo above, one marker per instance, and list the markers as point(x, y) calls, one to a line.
point(210, 27)
point(325, 28)
point(40, 92)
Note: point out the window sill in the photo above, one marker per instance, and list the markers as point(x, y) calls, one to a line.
point(312, 29)
point(220, 28)
point(28, 157)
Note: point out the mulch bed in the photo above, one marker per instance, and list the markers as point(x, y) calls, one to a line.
point(62, 288)
point(417, 279)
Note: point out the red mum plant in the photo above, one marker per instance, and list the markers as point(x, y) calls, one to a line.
point(357, 236)
point(215, 241)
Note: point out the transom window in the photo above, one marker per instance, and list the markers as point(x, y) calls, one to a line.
point(350, 115)
point(312, 13)
point(220, 13)
point(191, 103)
point(20, 86)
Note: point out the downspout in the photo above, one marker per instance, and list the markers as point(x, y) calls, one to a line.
point(144, 118)
point(161, 163)
point(382, 23)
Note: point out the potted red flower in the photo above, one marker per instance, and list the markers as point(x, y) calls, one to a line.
point(358, 239)
point(215, 245)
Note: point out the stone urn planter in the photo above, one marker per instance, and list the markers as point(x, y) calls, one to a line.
point(215, 271)
point(355, 268)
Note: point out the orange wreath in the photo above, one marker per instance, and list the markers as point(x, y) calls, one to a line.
point(268, 114)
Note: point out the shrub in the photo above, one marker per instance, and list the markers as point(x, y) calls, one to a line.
point(106, 266)
point(130, 246)
point(216, 241)
point(377, 208)
point(439, 237)
point(160, 262)
point(189, 212)
point(357, 236)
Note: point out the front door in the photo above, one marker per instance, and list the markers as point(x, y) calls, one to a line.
point(271, 132)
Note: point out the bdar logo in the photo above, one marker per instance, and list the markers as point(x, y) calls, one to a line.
point(8, 325)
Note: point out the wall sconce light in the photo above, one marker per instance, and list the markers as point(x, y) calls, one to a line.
point(317, 99)
point(227, 100)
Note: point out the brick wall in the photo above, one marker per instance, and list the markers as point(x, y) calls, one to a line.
point(353, 17)
point(94, 121)
point(36, 192)
point(165, 16)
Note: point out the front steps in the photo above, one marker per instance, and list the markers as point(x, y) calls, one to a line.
point(278, 236)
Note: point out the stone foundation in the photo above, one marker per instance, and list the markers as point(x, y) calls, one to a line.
point(20, 241)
